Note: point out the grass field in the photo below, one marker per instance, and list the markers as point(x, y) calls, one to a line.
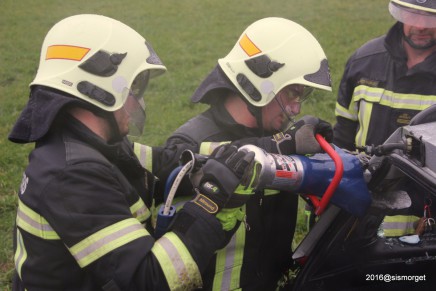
point(189, 36)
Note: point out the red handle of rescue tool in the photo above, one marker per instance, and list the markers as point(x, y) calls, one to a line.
point(321, 204)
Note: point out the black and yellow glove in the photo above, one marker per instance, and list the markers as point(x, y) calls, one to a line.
point(205, 223)
point(226, 180)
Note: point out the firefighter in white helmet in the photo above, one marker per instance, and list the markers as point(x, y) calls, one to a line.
point(83, 218)
point(387, 82)
point(254, 92)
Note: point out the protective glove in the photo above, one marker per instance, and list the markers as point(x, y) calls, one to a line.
point(226, 180)
point(300, 138)
point(204, 224)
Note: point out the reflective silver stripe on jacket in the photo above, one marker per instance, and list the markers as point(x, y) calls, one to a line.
point(33, 223)
point(364, 97)
point(144, 155)
point(106, 240)
point(178, 266)
point(140, 211)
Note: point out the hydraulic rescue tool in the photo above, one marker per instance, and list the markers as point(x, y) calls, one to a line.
point(335, 176)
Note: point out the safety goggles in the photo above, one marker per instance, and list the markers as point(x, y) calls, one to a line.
point(412, 16)
point(289, 99)
point(297, 93)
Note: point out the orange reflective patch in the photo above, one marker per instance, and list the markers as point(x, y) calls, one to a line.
point(66, 52)
point(248, 46)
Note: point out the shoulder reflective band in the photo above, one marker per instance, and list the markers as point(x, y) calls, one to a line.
point(20, 254)
point(106, 240)
point(229, 262)
point(144, 155)
point(33, 223)
point(176, 262)
point(140, 211)
point(66, 52)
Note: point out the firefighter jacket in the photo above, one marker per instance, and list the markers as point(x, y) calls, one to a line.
point(260, 251)
point(83, 209)
point(378, 93)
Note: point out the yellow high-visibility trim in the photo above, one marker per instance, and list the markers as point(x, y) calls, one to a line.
point(365, 113)
point(268, 192)
point(248, 46)
point(33, 223)
point(364, 97)
point(106, 240)
point(206, 148)
point(229, 262)
point(177, 264)
point(20, 254)
point(350, 113)
point(66, 52)
point(144, 155)
point(140, 211)
point(393, 99)
point(399, 225)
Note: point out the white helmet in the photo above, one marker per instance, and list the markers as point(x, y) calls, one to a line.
point(97, 59)
point(414, 12)
point(271, 54)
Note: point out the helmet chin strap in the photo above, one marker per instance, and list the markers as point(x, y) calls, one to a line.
point(290, 117)
point(257, 114)
point(113, 124)
point(418, 47)
point(115, 134)
point(285, 112)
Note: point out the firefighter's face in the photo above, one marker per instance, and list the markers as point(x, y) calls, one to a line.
point(420, 37)
point(131, 117)
point(285, 105)
point(122, 118)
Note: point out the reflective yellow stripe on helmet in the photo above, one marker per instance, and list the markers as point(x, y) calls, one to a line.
point(20, 254)
point(144, 155)
point(206, 148)
point(106, 240)
point(248, 46)
point(66, 52)
point(34, 223)
point(140, 211)
point(179, 267)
